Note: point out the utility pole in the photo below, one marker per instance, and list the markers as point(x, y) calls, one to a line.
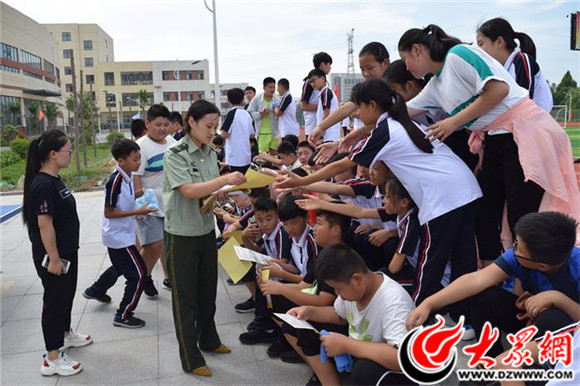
point(350, 58)
point(75, 109)
point(82, 121)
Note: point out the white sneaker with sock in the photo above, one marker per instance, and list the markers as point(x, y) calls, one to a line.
point(63, 366)
point(74, 339)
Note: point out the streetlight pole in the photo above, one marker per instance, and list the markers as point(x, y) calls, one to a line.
point(117, 104)
point(217, 95)
point(177, 75)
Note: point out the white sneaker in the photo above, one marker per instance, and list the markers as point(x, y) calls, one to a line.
point(74, 339)
point(468, 333)
point(63, 366)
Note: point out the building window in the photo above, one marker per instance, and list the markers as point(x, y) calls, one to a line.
point(88, 45)
point(130, 99)
point(31, 60)
point(4, 67)
point(167, 75)
point(170, 96)
point(199, 75)
point(7, 116)
point(66, 53)
point(106, 43)
point(109, 78)
point(136, 78)
point(68, 87)
point(66, 36)
point(9, 52)
point(31, 74)
point(57, 73)
point(88, 62)
point(106, 57)
point(67, 71)
point(90, 79)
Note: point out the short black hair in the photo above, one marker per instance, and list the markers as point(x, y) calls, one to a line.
point(123, 148)
point(319, 58)
point(250, 88)
point(235, 96)
point(292, 139)
point(338, 263)
point(316, 72)
point(138, 128)
point(549, 236)
point(284, 83)
point(268, 80)
point(263, 192)
point(334, 218)
point(175, 116)
point(307, 144)
point(265, 204)
point(157, 110)
point(288, 209)
point(218, 140)
point(286, 148)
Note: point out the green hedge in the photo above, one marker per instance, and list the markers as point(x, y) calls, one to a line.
point(20, 146)
point(8, 158)
point(111, 138)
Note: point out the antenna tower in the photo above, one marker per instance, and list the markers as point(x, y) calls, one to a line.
point(350, 59)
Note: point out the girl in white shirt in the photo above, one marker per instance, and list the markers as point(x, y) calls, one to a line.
point(497, 38)
point(475, 90)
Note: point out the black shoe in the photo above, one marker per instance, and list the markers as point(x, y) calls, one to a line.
point(166, 284)
point(130, 322)
point(245, 307)
point(252, 326)
point(258, 336)
point(313, 381)
point(90, 293)
point(150, 290)
point(291, 356)
point(278, 347)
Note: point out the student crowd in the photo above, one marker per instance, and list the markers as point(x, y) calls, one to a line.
point(452, 191)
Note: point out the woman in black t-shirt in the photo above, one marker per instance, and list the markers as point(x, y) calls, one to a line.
point(49, 211)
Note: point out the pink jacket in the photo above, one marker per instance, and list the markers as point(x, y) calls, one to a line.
point(545, 154)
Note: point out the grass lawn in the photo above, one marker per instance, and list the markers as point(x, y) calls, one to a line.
point(97, 169)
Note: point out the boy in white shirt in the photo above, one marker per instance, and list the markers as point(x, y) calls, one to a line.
point(326, 105)
point(237, 130)
point(373, 306)
point(150, 176)
point(286, 112)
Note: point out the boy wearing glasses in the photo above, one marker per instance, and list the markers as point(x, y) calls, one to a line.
point(327, 103)
point(546, 261)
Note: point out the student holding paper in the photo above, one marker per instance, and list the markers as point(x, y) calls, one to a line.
point(192, 173)
point(373, 306)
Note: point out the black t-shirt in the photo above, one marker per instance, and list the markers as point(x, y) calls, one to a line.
point(49, 196)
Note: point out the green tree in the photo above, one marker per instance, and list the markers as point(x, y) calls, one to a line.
point(143, 100)
point(14, 108)
point(560, 93)
point(51, 112)
point(33, 122)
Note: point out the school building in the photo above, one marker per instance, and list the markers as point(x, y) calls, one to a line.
point(29, 70)
point(344, 82)
point(38, 62)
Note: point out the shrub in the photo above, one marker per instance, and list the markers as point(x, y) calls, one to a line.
point(20, 146)
point(7, 134)
point(8, 158)
point(111, 138)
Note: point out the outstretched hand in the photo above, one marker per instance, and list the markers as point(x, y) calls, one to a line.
point(310, 202)
point(291, 180)
point(347, 143)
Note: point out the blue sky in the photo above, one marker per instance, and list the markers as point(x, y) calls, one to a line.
point(278, 38)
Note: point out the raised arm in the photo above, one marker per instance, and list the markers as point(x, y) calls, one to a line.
point(294, 181)
point(314, 203)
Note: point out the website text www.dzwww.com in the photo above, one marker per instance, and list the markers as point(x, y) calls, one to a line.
point(515, 375)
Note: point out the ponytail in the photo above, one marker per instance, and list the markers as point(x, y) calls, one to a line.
point(432, 37)
point(397, 73)
point(497, 27)
point(378, 91)
point(38, 152)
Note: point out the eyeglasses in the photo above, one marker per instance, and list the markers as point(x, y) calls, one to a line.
point(515, 248)
point(69, 151)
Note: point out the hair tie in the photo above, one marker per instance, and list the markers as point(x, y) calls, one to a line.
point(516, 35)
point(394, 99)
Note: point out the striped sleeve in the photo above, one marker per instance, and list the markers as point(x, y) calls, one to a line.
point(526, 71)
point(363, 188)
point(409, 236)
point(229, 120)
point(285, 102)
point(113, 189)
point(369, 147)
point(307, 91)
point(326, 98)
point(311, 249)
point(245, 219)
point(285, 246)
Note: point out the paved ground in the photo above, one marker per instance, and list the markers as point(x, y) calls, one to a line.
point(118, 356)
